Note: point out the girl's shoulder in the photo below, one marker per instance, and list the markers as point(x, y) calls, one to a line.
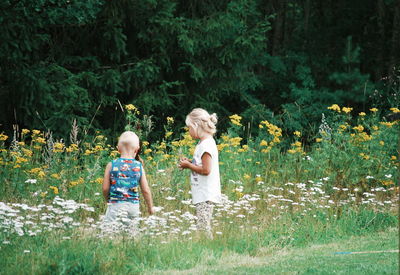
point(207, 143)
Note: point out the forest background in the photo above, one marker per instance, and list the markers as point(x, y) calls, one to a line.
point(280, 60)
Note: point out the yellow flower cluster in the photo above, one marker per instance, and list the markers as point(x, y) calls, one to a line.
point(297, 133)
point(55, 189)
point(359, 128)
point(395, 110)
point(72, 148)
point(364, 156)
point(38, 171)
point(296, 148)
point(56, 176)
point(334, 107)
point(58, 147)
point(388, 124)
point(3, 137)
point(235, 119)
point(76, 182)
point(132, 108)
point(347, 109)
point(170, 120)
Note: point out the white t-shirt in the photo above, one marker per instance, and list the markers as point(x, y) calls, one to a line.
point(206, 188)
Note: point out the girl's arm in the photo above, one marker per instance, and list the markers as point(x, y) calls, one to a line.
point(204, 169)
point(106, 182)
point(144, 186)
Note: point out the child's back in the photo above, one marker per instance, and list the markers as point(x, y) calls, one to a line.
point(122, 178)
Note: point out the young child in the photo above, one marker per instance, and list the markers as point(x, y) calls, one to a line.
point(204, 179)
point(121, 181)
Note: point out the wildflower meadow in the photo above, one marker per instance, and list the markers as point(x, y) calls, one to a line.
point(281, 194)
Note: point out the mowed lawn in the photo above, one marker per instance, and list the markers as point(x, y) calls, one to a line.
point(314, 259)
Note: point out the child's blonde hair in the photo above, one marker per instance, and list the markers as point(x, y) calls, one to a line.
point(128, 140)
point(202, 121)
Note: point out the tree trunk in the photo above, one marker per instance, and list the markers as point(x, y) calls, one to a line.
point(395, 47)
point(381, 34)
point(279, 9)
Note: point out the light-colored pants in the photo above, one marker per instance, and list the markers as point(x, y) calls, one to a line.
point(121, 216)
point(204, 211)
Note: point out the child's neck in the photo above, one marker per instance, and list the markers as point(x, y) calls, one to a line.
point(127, 156)
point(205, 137)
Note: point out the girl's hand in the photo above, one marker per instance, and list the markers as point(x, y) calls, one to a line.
point(184, 163)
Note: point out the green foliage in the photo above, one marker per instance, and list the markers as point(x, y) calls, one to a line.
point(61, 60)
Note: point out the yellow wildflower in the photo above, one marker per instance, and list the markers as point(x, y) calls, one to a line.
point(376, 128)
point(73, 147)
point(56, 176)
point(318, 139)
point(393, 157)
point(235, 119)
point(58, 147)
point(362, 114)
point(395, 110)
point(132, 108)
point(40, 140)
point(263, 143)
point(359, 128)
point(167, 134)
point(147, 151)
point(291, 151)
point(297, 133)
point(35, 132)
point(387, 124)
point(387, 182)
point(99, 180)
point(145, 143)
point(373, 110)
point(55, 189)
point(297, 144)
point(3, 137)
point(334, 107)
point(246, 176)
point(170, 120)
point(235, 141)
point(266, 150)
point(382, 142)
point(25, 131)
point(21, 143)
point(21, 160)
point(27, 152)
point(347, 109)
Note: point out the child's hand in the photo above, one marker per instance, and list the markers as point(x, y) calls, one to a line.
point(184, 163)
point(151, 211)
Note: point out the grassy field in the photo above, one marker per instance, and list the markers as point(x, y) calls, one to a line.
point(288, 204)
point(312, 259)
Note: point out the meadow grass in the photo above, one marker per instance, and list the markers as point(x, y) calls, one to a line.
point(281, 195)
point(277, 244)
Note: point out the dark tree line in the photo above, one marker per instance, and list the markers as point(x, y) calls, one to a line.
point(282, 60)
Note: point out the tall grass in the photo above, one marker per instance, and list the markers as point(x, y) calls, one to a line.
point(278, 192)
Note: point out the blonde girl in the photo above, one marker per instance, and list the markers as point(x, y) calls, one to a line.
point(204, 178)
